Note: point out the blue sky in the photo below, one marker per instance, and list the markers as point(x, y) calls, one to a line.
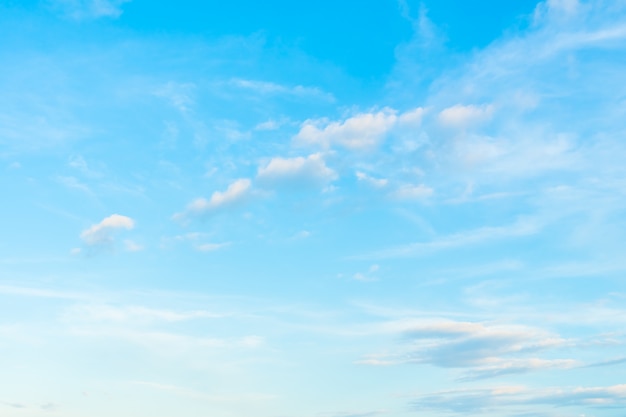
point(291, 209)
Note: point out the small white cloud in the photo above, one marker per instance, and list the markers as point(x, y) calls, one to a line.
point(412, 192)
point(75, 251)
point(460, 116)
point(235, 194)
point(363, 277)
point(303, 234)
point(73, 182)
point(369, 276)
point(101, 233)
point(268, 125)
point(89, 9)
point(180, 95)
point(373, 182)
point(15, 165)
point(270, 88)
point(299, 170)
point(362, 131)
point(78, 162)
point(210, 247)
point(132, 246)
point(411, 117)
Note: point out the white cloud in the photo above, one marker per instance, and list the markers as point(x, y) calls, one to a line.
point(362, 131)
point(487, 350)
point(460, 116)
point(412, 192)
point(89, 9)
point(513, 400)
point(78, 162)
point(268, 125)
point(522, 227)
point(132, 314)
point(73, 182)
point(101, 233)
point(132, 246)
point(299, 170)
point(374, 182)
point(270, 88)
point(235, 194)
point(369, 276)
point(210, 247)
point(180, 95)
point(302, 234)
point(504, 158)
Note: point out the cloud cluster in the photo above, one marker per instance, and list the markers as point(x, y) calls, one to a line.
point(296, 172)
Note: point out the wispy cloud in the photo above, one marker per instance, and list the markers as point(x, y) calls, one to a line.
point(486, 350)
point(508, 399)
point(521, 228)
point(270, 88)
point(132, 314)
point(89, 9)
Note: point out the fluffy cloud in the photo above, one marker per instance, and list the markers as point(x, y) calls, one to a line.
point(362, 131)
point(102, 233)
point(463, 116)
point(236, 193)
point(299, 170)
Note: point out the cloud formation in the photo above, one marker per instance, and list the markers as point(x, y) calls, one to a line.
point(412, 192)
point(102, 233)
point(270, 88)
point(89, 9)
point(235, 194)
point(297, 171)
point(486, 350)
point(362, 131)
point(511, 400)
point(520, 228)
point(460, 116)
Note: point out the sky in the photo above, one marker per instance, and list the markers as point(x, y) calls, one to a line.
point(312, 209)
